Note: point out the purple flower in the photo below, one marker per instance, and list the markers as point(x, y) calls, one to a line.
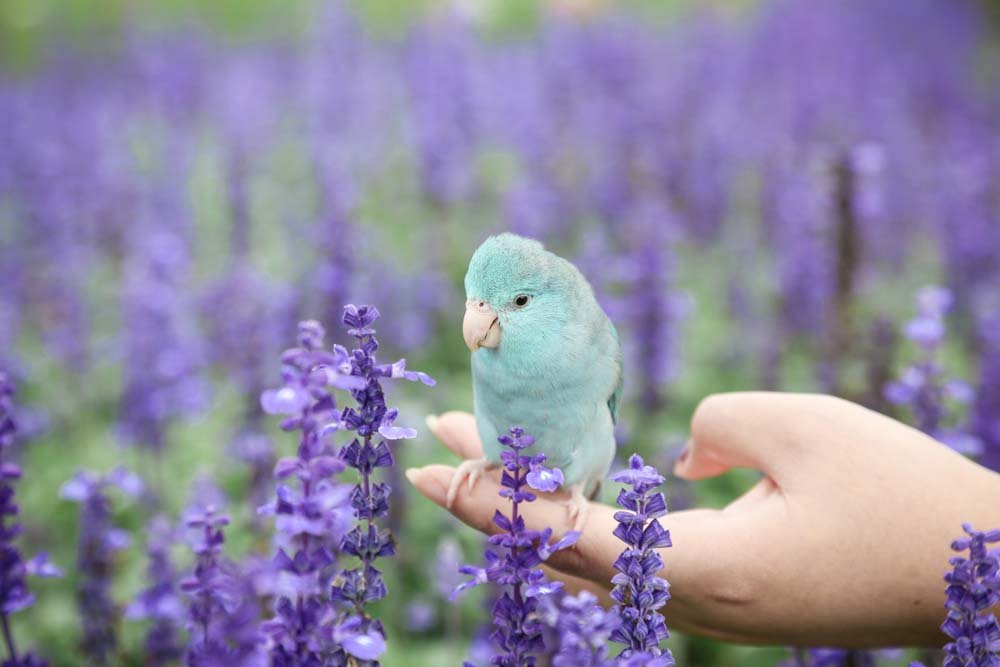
point(359, 642)
point(923, 387)
point(654, 309)
point(797, 217)
point(544, 479)
point(934, 301)
point(925, 331)
point(646, 660)
point(986, 408)
point(162, 353)
point(160, 602)
point(638, 474)
point(440, 105)
point(369, 419)
point(398, 370)
point(447, 560)
point(245, 317)
point(973, 588)
point(95, 563)
point(8, 427)
point(421, 616)
point(14, 594)
point(514, 564)
point(582, 627)
point(316, 619)
point(311, 509)
point(638, 591)
point(830, 657)
point(206, 586)
point(221, 615)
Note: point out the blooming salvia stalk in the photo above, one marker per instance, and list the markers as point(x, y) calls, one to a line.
point(159, 603)
point(314, 518)
point(973, 588)
point(162, 355)
point(14, 594)
point(923, 387)
point(206, 586)
point(245, 320)
point(583, 627)
point(220, 618)
point(447, 560)
point(986, 409)
point(654, 309)
point(311, 509)
point(515, 565)
point(638, 591)
point(482, 648)
point(8, 426)
point(373, 423)
point(96, 547)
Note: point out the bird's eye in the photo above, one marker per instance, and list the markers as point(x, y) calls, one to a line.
point(521, 300)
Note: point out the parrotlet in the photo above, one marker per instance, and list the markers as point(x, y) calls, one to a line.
point(545, 357)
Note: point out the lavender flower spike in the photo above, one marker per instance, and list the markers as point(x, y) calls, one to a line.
point(311, 508)
point(14, 594)
point(923, 387)
point(515, 564)
point(206, 585)
point(220, 617)
point(97, 544)
point(639, 592)
point(583, 627)
point(372, 421)
point(159, 602)
point(973, 588)
point(8, 427)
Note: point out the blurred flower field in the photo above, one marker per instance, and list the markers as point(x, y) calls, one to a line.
point(762, 195)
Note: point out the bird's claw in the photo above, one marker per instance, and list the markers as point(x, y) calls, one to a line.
point(578, 506)
point(472, 470)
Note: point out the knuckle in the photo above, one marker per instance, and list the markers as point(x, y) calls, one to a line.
point(570, 560)
point(484, 523)
point(475, 516)
point(707, 414)
point(733, 587)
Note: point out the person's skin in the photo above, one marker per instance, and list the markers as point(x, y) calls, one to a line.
point(843, 542)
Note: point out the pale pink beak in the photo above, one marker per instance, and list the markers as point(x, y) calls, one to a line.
point(481, 326)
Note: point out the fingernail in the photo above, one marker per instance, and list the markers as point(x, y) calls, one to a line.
point(682, 457)
point(431, 421)
point(428, 486)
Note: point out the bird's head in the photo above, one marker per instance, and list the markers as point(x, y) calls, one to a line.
point(518, 293)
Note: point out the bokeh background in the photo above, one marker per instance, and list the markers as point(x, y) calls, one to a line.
point(756, 190)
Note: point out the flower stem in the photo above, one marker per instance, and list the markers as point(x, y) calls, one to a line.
point(8, 638)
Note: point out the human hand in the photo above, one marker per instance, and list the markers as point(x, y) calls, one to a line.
point(843, 542)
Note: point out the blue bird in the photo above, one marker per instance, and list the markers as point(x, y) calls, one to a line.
point(546, 357)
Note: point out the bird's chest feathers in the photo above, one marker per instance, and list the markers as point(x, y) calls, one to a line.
point(541, 376)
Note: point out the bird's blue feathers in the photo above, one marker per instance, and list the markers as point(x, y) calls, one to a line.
point(558, 368)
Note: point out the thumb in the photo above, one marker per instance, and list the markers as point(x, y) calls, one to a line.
point(762, 430)
point(591, 557)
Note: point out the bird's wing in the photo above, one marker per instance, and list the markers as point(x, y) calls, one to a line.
point(616, 396)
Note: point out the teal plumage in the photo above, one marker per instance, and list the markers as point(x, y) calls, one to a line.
point(552, 365)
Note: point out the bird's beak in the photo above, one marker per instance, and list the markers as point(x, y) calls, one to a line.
point(481, 326)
